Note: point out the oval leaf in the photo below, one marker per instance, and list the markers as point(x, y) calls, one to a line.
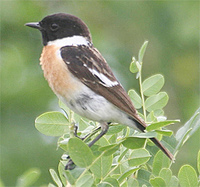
point(164, 132)
point(146, 135)
point(79, 152)
point(157, 125)
point(85, 180)
point(71, 175)
point(157, 101)
point(133, 67)
point(114, 129)
point(101, 166)
point(153, 85)
point(174, 182)
point(28, 178)
point(138, 157)
point(166, 174)
point(110, 149)
point(157, 182)
point(55, 177)
point(127, 174)
point(142, 51)
point(133, 142)
point(52, 124)
point(160, 161)
point(144, 176)
point(187, 176)
point(133, 182)
point(109, 182)
point(135, 98)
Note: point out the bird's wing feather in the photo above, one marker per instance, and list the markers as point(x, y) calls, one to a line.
point(88, 65)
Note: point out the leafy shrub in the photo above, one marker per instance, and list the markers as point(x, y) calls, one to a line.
point(123, 157)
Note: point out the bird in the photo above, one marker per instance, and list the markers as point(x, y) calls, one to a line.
point(81, 78)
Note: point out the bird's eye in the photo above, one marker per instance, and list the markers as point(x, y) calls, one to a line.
point(54, 27)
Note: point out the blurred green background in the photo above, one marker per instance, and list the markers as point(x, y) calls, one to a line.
point(119, 28)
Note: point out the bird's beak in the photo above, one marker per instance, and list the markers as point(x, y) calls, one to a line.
point(35, 25)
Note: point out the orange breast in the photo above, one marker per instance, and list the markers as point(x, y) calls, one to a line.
point(61, 81)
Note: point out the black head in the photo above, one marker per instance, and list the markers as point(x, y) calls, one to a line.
point(61, 25)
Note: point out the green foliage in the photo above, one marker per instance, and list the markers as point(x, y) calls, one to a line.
point(52, 124)
point(28, 178)
point(117, 33)
point(153, 84)
point(188, 130)
point(121, 157)
point(77, 147)
point(188, 176)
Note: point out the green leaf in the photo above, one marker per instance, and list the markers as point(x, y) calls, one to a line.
point(72, 175)
point(101, 166)
point(139, 66)
point(64, 107)
point(127, 174)
point(110, 149)
point(153, 85)
point(160, 161)
point(138, 157)
point(187, 176)
point(145, 135)
point(166, 174)
point(85, 180)
point(170, 143)
point(143, 177)
point(157, 101)
point(165, 132)
point(122, 154)
point(55, 177)
point(173, 182)
point(151, 117)
point(157, 125)
point(142, 51)
point(198, 161)
point(133, 67)
point(52, 124)
point(135, 98)
point(133, 142)
point(114, 129)
point(28, 178)
point(61, 171)
point(79, 152)
point(158, 112)
point(104, 184)
point(190, 127)
point(109, 182)
point(157, 182)
point(133, 182)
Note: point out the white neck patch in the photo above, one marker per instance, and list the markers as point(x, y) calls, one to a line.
point(69, 41)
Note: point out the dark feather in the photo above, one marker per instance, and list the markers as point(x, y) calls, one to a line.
point(79, 59)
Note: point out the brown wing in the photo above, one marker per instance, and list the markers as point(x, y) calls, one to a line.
point(87, 64)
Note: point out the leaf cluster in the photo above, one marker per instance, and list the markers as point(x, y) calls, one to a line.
point(123, 157)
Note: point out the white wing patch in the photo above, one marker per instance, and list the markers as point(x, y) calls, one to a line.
point(105, 80)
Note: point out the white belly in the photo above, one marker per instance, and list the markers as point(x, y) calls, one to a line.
point(95, 107)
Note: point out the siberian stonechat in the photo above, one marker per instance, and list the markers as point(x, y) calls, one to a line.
point(80, 76)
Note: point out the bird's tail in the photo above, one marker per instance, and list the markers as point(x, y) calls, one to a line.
point(161, 147)
point(141, 126)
